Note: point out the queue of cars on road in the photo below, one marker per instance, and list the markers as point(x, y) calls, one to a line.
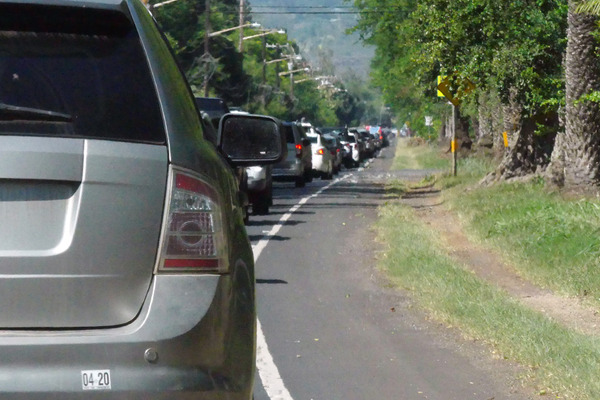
point(311, 152)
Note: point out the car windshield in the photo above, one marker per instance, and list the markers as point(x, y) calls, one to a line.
point(76, 76)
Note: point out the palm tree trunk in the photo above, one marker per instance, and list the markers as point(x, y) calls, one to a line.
point(575, 161)
point(520, 157)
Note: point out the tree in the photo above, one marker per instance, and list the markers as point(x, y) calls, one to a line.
point(576, 157)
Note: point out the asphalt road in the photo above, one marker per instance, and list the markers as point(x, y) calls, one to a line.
point(333, 326)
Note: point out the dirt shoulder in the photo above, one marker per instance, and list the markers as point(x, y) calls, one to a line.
point(489, 265)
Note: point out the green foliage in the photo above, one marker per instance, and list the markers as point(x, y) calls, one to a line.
point(497, 45)
point(243, 79)
point(589, 6)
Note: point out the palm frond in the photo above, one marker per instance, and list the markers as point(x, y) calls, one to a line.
point(589, 7)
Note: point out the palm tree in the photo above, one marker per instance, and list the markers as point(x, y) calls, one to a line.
point(576, 156)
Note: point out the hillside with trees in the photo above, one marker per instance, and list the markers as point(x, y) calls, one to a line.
point(266, 72)
point(320, 29)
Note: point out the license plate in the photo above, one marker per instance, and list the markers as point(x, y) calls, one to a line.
point(96, 379)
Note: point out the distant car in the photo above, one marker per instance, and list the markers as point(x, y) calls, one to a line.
point(368, 140)
point(127, 272)
point(297, 166)
point(214, 107)
point(322, 159)
point(333, 143)
point(354, 148)
point(260, 188)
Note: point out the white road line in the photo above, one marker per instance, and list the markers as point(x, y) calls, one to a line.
point(267, 370)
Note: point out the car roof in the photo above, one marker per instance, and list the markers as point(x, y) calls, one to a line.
point(106, 5)
point(72, 3)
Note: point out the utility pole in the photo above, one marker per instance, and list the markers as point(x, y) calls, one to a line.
point(241, 43)
point(206, 43)
point(277, 77)
point(264, 58)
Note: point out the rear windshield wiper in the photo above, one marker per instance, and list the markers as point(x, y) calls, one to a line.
point(11, 113)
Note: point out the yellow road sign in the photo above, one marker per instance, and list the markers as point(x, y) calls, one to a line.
point(454, 91)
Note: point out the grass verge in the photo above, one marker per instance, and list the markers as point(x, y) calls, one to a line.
point(550, 240)
point(564, 361)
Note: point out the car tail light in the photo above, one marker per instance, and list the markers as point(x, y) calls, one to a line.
point(380, 137)
point(337, 150)
point(320, 152)
point(193, 235)
point(299, 150)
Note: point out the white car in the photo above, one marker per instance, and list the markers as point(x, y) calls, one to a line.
point(260, 188)
point(322, 159)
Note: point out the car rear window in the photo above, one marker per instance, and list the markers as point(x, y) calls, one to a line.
point(75, 72)
point(289, 133)
point(313, 139)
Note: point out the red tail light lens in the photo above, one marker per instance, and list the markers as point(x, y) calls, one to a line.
point(320, 152)
point(193, 238)
point(298, 150)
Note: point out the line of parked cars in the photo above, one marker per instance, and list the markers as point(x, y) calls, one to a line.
point(311, 152)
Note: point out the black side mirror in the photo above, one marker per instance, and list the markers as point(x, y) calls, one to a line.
point(251, 139)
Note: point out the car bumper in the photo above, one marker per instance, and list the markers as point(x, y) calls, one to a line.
point(288, 170)
point(257, 185)
point(320, 164)
point(202, 336)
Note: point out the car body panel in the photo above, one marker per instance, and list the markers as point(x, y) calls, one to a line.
point(51, 225)
point(191, 355)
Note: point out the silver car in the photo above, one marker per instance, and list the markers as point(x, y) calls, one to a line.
point(125, 268)
point(297, 166)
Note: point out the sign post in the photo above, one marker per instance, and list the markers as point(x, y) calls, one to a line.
point(453, 143)
point(454, 94)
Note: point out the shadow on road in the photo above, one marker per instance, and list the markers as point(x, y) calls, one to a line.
point(277, 238)
point(271, 222)
point(271, 282)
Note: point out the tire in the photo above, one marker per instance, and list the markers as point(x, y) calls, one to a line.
point(246, 215)
point(308, 176)
point(300, 182)
point(261, 207)
point(328, 175)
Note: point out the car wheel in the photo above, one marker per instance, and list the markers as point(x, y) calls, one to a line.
point(246, 212)
point(308, 175)
point(261, 206)
point(300, 181)
point(328, 175)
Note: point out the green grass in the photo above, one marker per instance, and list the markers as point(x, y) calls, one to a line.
point(561, 361)
point(413, 154)
point(551, 240)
